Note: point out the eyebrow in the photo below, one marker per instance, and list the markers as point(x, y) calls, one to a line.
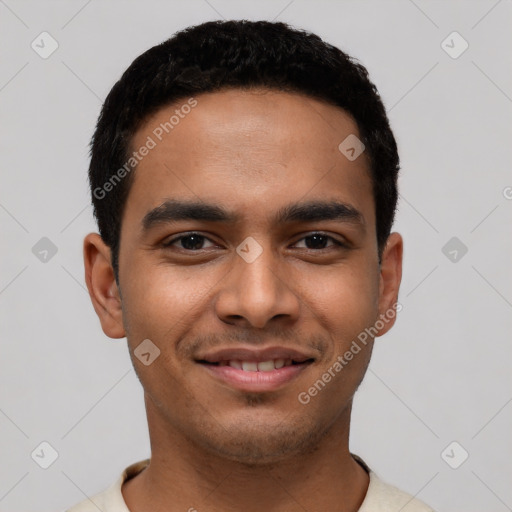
point(172, 210)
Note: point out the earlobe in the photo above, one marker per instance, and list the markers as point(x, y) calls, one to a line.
point(390, 278)
point(102, 286)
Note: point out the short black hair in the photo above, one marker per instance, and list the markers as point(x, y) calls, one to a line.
point(242, 54)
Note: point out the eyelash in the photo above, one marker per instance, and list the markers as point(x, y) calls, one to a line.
point(336, 242)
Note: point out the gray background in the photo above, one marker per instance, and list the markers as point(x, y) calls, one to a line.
point(441, 375)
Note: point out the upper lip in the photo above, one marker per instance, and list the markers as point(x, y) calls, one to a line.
point(253, 354)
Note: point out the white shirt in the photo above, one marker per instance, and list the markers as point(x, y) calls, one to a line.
point(380, 496)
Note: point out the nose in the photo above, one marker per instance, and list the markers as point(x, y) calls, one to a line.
point(255, 294)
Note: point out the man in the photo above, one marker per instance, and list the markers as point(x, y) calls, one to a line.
point(243, 176)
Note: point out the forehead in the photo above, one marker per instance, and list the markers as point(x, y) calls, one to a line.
point(256, 149)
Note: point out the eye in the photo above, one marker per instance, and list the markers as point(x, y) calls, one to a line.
point(195, 242)
point(318, 241)
point(189, 242)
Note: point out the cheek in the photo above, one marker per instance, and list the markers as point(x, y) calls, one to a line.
point(164, 303)
point(161, 306)
point(346, 299)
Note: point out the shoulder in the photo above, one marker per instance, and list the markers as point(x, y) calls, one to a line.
point(383, 497)
point(111, 499)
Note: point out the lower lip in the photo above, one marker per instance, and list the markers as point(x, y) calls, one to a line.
point(256, 381)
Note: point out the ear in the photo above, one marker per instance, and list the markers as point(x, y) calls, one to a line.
point(102, 286)
point(390, 278)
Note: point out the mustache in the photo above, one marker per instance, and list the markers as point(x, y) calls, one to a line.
point(285, 337)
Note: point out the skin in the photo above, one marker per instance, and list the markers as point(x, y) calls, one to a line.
point(214, 447)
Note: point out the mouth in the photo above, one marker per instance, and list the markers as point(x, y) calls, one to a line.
point(255, 370)
point(257, 366)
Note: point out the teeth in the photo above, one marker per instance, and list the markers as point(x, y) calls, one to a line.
point(266, 366)
point(248, 366)
point(253, 366)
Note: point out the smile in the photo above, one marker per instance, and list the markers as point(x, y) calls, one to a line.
point(255, 366)
point(255, 376)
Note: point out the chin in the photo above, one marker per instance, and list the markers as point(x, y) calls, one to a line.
point(261, 445)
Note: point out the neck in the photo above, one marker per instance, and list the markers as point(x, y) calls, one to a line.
point(182, 476)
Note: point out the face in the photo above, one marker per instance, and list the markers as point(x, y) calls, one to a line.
point(248, 257)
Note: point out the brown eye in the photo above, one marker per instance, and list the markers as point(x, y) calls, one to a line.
point(318, 241)
point(190, 242)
